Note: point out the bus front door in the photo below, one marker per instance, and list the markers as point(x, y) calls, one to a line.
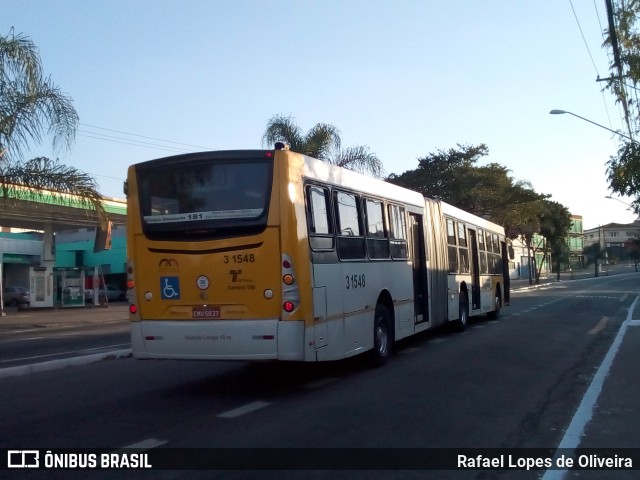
point(475, 270)
point(419, 269)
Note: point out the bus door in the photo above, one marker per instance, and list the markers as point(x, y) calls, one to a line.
point(506, 280)
point(419, 268)
point(475, 270)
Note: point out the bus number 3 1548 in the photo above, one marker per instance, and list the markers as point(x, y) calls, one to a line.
point(355, 281)
point(247, 258)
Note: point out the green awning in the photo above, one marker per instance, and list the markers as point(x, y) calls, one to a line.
point(20, 259)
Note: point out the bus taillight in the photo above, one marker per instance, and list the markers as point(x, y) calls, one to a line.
point(290, 292)
point(133, 309)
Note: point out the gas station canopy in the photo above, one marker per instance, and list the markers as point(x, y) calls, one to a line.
point(57, 213)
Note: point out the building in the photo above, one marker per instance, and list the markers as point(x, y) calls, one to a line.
point(615, 239)
point(527, 260)
point(77, 266)
point(37, 228)
point(575, 243)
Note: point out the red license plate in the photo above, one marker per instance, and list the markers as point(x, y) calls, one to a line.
point(205, 312)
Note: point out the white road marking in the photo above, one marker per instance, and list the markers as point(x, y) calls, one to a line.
point(320, 383)
point(409, 350)
point(583, 415)
point(600, 326)
point(250, 407)
point(147, 444)
point(438, 340)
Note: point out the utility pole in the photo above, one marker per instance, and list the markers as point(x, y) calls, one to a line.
point(616, 60)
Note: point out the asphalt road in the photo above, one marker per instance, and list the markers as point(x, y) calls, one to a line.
point(517, 382)
point(38, 336)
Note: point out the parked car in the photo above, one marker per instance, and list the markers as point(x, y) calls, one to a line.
point(16, 296)
point(114, 294)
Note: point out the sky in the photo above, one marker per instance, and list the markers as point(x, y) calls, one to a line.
point(406, 78)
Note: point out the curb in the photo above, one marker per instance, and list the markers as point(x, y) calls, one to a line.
point(62, 363)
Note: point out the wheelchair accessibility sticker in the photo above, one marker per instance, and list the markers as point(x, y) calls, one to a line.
point(170, 288)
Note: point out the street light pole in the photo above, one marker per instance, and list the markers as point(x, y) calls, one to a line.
point(560, 112)
point(629, 207)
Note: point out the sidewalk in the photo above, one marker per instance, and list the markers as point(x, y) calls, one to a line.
point(552, 278)
point(58, 317)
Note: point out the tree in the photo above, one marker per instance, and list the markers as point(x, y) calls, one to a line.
point(555, 223)
point(321, 142)
point(444, 175)
point(623, 173)
point(487, 191)
point(623, 40)
point(634, 250)
point(490, 192)
point(594, 253)
point(32, 107)
point(41, 177)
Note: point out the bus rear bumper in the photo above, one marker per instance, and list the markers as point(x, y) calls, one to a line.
point(218, 340)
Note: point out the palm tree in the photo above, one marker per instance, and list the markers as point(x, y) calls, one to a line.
point(31, 107)
point(322, 142)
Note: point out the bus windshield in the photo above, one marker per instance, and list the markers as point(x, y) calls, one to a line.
point(204, 198)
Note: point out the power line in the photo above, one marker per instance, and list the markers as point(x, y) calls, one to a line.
point(144, 136)
point(604, 39)
point(166, 146)
point(110, 138)
point(575, 15)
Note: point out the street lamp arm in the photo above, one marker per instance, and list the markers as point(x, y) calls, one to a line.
point(629, 206)
point(559, 112)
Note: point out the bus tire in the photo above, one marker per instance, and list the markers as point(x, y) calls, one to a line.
point(496, 306)
point(462, 322)
point(382, 336)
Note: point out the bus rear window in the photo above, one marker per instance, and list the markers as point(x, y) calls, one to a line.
point(204, 195)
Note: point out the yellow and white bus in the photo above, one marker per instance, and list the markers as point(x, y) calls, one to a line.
point(273, 255)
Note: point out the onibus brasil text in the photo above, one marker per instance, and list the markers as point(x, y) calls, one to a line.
point(86, 460)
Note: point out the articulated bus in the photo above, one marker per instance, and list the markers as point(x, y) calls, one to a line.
point(273, 255)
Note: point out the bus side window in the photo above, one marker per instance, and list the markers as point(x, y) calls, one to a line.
point(452, 247)
point(489, 246)
point(377, 240)
point(318, 218)
point(484, 269)
point(497, 258)
point(398, 232)
point(349, 219)
point(463, 253)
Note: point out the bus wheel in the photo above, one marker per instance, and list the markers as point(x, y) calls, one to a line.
point(381, 336)
point(463, 314)
point(496, 306)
